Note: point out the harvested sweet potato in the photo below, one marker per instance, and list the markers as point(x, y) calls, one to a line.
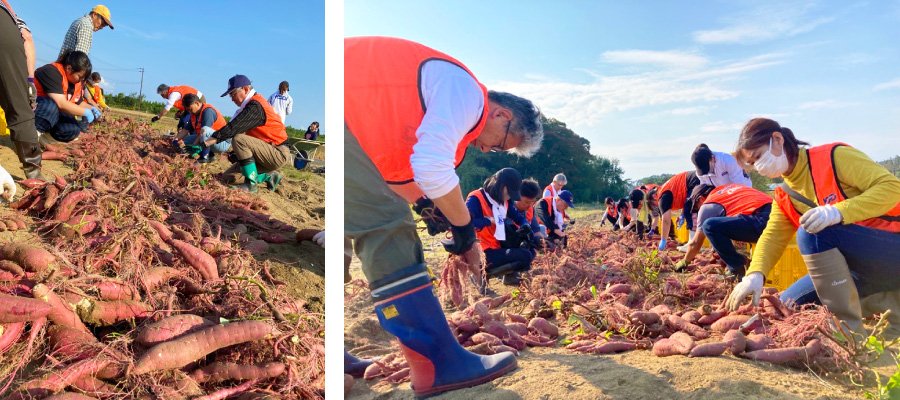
point(171, 328)
point(219, 371)
point(31, 258)
point(105, 313)
point(62, 313)
point(22, 309)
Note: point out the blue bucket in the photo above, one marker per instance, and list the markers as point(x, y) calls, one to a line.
point(301, 159)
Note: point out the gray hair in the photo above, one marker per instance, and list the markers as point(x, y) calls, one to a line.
point(560, 178)
point(162, 89)
point(526, 122)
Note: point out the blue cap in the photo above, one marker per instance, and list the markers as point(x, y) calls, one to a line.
point(567, 197)
point(236, 82)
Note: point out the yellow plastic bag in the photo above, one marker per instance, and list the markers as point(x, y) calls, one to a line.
point(4, 131)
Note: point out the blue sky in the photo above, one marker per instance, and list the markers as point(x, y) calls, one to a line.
point(647, 81)
point(200, 44)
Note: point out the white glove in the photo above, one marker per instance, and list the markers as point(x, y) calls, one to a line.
point(319, 238)
point(819, 218)
point(751, 284)
point(8, 186)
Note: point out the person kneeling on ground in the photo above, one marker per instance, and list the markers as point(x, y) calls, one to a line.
point(61, 116)
point(495, 221)
point(730, 212)
point(204, 121)
point(611, 214)
point(259, 140)
point(550, 212)
point(638, 212)
point(528, 196)
point(844, 209)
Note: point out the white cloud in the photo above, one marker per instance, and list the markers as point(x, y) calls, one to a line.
point(142, 34)
point(690, 110)
point(673, 59)
point(824, 105)
point(893, 84)
point(720, 126)
point(763, 24)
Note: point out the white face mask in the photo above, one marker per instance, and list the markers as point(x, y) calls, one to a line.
point(771, 166)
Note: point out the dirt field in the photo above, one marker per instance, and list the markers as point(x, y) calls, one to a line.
point(556, 373)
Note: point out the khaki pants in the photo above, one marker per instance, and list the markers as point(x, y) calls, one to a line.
point(268, 158)
point(379, 222)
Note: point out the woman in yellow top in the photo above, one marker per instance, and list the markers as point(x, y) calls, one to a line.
point(844, 209)
point(93, 94)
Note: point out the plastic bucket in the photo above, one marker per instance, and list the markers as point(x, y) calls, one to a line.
point(301, 159)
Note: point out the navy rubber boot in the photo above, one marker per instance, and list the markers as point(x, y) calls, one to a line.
point(408, 309)
point(355, 367)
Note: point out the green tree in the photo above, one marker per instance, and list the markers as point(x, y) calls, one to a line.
point(655, 179)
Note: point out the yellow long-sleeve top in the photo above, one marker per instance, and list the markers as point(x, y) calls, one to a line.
point(871, 192)
point(91, 89)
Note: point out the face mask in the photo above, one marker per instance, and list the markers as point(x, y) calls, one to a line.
point(771, 166)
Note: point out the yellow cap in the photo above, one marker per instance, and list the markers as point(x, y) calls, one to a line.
point(103, 12)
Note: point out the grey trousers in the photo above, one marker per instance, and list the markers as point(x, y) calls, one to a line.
point(14, 83)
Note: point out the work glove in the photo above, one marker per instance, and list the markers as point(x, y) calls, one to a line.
point(662, 244)
point(7, 184)
point(193, 149)
point(752, 284)
point(154, 119)
point(463, 239)
point(32, 93)
point(434, 219)
point(88, 115)
point(681, 265)
point(97, 113)
point(680, 221)
point(319, 238)
point(819, 218)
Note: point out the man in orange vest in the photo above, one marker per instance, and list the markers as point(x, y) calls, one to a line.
point(528, 197)
point(729, 212)
point(550, 211)
point(203, 121)
point(259, 140)
point(410, 113)
point(173, 96)
point(18, 94)
point(673, 195)
point(61, 115)
point(611, 214)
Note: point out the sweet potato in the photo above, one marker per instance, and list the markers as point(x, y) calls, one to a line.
point(111, 290)
point(94, 387)
point(60, 182)
point(54, 156)
point(171, 328)
point(100, 186)
point(8, 276)
point(681, 324)
point(12, 267)
point(544, 327)
point(78, 225)
point(307, 234)
point(181, 234)
point(644, 317)
point(758, 342)
point(661, 309)
point(619, 288)
point(736, 340)
point(157, 276)
point(199, 259)
point(62, 313)
point(483, 337)
point(189, 348)
point(32, 183)
point(679, 343)
point(103, 313)
point(220, 371)
point(517, 327)
point(730, 322)
point(274, 238)
point(72, 344)
point(256, 246)
point(710, 349)
point(712, 317)
point(70, 396)
point(59, 379)
point(51, 194)
point(692, 316)
point(10, 334)
point(22, 309)
point(787, 354)
point(67, 205)
point(161, 229)
point(613, 347)
point(372, 371)
point(31, 258)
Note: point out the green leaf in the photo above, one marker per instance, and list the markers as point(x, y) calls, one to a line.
point(608, 334)
point(189, 175)
point(573, 320)
point(873, 344)
point(556, 304)
point(515, 293)
point(565, 342)
point(203, 182)
point(594, 290)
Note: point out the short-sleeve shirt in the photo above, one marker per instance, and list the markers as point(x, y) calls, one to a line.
point(51, 80)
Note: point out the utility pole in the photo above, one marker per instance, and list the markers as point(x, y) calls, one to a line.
point(141, 90)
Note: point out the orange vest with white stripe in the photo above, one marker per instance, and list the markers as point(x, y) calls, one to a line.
point(823, 171)
point(272, 131)
point(196, 119)
point(612, 211)
point(486, 235)
point(184, 90)
point(738, 199)
point(677, 185)
point(383, 103)
point(76, 91)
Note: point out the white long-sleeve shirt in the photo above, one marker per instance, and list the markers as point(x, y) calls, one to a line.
point(454, 103)
point(174, 97)
point(727, 171)
point(283, 104)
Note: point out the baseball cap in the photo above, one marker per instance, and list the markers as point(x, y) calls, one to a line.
point(103, 12)
point(235, 82)
point(567, 196)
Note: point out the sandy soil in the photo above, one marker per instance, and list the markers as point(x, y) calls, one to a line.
point(555, 373)
point(299, 202)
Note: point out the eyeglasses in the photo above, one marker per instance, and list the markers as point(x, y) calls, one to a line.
point(502, 147)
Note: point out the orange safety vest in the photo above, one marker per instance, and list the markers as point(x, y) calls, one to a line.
point(76, 92)
point(612, 211)
point(828, 190)
point(197, 118)
point(486, 235)
point(677, 185)
point(383, 104)
point(273, 130)
point(738, 199)
point(552, 190)
point(183, 89)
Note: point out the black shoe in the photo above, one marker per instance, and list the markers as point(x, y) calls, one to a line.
point(30, 156)
point(512, 279)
